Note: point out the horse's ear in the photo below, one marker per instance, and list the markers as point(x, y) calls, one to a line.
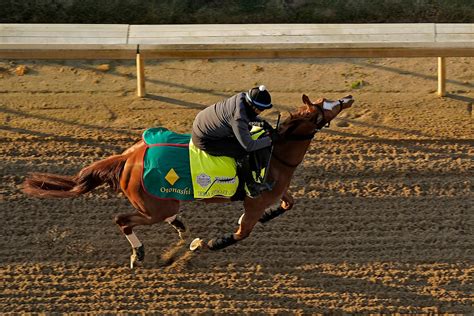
point(306, 100)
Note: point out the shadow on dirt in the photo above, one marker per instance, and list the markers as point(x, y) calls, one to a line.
point(462, 98)
point(174, 101)
point(47, 137)
point(407, 72)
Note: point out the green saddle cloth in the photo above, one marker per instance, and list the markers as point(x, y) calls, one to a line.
point(166, 172)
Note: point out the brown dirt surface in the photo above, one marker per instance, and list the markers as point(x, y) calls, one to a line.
point(383, 220)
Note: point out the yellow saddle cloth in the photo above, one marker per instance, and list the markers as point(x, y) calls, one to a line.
point(212, 175)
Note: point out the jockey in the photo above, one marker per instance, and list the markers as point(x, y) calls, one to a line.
point(223, 129)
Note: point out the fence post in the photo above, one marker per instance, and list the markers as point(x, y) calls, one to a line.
point(441, 76)
point(140, 75)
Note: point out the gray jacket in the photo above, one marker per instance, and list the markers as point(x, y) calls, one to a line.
point(229, 118)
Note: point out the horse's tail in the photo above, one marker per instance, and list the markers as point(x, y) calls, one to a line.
point(57, 186)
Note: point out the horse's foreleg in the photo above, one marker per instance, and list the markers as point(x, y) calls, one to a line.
point(286, 204)
point(253, 211)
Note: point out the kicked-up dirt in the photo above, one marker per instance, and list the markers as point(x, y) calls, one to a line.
point(383, 220)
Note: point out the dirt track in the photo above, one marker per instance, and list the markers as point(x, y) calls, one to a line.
point(383, 220)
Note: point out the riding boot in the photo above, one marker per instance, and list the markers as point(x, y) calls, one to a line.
point(254, 188)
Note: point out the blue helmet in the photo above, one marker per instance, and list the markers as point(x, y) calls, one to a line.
point(259, 97)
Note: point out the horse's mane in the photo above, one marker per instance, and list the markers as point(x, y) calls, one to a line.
point(296, 117)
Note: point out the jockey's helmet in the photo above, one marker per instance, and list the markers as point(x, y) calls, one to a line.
point(259, 97)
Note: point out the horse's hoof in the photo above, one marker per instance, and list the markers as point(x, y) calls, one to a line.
point(196, 244)
point(240, 219)
point(138, 254)
point(133, 259)
point(183, 235)
point(180, 227)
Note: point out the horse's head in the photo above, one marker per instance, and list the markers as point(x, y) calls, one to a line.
point(330, 109)
point(312, 117)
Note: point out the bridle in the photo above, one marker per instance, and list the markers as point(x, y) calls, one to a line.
point(319, 121)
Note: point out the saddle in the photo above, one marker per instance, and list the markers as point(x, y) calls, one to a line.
point(173, 168)
point(217, 175)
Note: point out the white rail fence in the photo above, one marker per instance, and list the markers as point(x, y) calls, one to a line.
point(122, 41)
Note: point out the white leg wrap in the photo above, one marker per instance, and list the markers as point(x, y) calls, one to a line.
point(133, 240)
point(170, 219)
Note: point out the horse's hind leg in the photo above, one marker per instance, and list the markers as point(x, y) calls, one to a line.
point(126, 222)
point(178, 224)
point(152, 213)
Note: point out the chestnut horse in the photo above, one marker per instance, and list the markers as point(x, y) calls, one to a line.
point(125, 171)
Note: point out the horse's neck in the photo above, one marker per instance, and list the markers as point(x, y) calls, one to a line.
point(288, 155)
point(292, 153)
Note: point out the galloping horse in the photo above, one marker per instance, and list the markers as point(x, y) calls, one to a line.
point(125, 171)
